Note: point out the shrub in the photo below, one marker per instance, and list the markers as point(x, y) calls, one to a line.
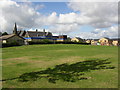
point(45, 41)
point(14, 43)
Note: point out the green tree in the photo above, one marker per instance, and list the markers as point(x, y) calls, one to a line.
point(5, 33)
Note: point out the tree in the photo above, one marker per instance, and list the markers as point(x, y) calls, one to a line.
point(0, 33)
point(5, 33)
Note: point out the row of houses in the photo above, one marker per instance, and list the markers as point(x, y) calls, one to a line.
point(102, 41)
point(106, 41)
point(23, 37)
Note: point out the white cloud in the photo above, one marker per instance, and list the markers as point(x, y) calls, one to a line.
point(64, 28)
point(97, 14)
point(67, 18)
point(12, 12)
point(112, 32)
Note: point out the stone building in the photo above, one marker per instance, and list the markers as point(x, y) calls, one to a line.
point(12, 38)
point(77, 39)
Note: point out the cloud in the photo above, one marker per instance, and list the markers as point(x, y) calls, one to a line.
point(67, 18)
point(111, 32)
point(64, 28)
point(97, 14)
point(12, 12)
point(37, 7)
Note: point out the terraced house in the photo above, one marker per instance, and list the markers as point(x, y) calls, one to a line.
point(35, 35)
point(109, 42)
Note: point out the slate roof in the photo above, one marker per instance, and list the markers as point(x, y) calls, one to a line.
point(95, 39)
point(106, 37)
point(79, 38)
point(116, 39)
point(8, 36)
point(34, 33)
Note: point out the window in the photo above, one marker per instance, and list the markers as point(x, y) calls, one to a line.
point(4, 41)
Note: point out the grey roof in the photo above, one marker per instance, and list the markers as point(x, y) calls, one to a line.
point(106, 37)
point(115, 39)
point(8, 36)
point(79, 38)
point(95, 39)
point(36, 34)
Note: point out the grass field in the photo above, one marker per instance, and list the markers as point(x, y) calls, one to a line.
point(60, 66)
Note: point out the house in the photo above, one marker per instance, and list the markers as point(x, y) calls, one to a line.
point(88, 40)
point(105, 41)
point(94, 42)
point(12, 39)
point(62, 38)
point(77, 39)
point(35, 35)
point(116, 42)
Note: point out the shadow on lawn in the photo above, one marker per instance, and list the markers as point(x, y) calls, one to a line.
point(66, 72)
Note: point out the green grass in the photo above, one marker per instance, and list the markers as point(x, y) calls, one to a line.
point(60, 66)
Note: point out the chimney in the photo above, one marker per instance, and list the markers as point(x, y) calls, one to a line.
point(36, 30)
point(44, 32)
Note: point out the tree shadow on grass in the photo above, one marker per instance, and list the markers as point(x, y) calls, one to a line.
point(66, 72)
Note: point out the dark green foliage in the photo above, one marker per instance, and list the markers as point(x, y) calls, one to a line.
point(5, 33)
point(45, 41)
point(14, 43)
point(0, 34)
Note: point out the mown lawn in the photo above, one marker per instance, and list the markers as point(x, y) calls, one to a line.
point(60, 66)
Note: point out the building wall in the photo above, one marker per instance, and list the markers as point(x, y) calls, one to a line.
point(26, 35)
point(94, 42)
point(74, 39)
point(61, 40)
point(105, 41)
point(115, 43)
point(88, 41)
point(102, 40)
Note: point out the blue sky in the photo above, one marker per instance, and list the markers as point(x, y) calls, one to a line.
point(58, 7)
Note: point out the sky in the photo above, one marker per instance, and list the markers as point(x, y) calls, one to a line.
point(88, 20)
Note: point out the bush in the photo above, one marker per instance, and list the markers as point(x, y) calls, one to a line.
point(10, 44)
point(45, 41)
